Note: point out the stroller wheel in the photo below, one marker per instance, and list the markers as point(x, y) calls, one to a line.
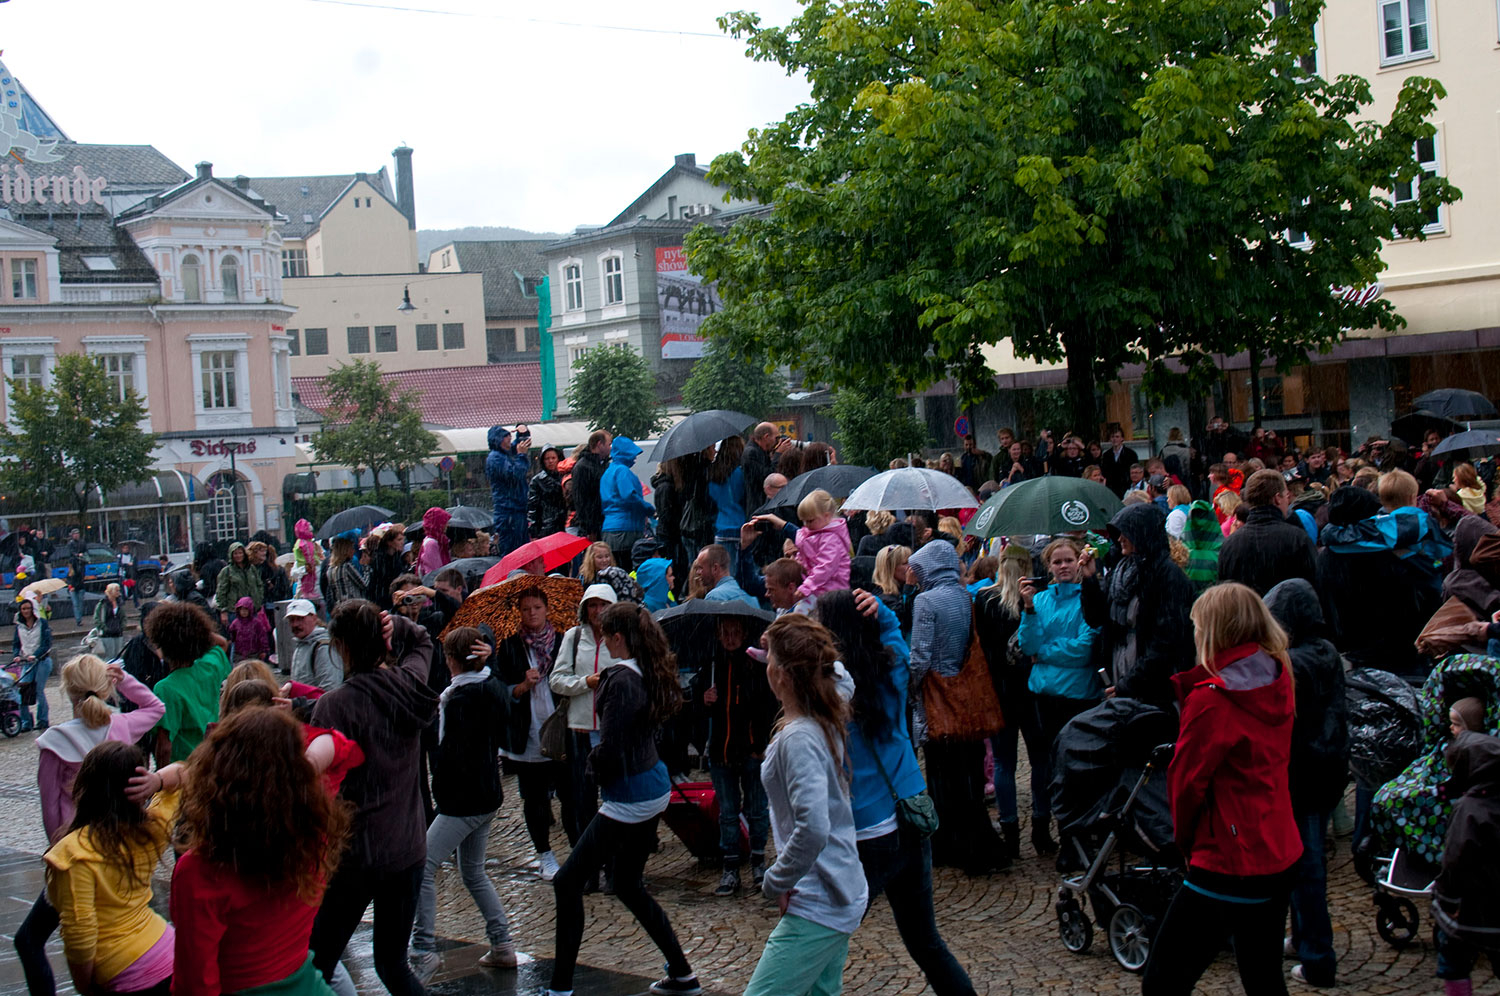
point(1074, 927)
point(1396, 920)
point(10, 724)
point(1130, 937)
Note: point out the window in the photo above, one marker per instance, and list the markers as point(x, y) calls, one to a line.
point(26, 371)
point(1407, 192)
point(120, 369)
point(572, 287)
point(447, 258)
point(426, 337)
point(218, 379)
point(575, 354)
point(359, 338)
point(614, 280)
point(499, 345)
point(229, 278)
point(295, 346)
point(294, 262)
point(23, 279)
point(533, 339)
point(1405, 30)
point(529, 286)
point(317, 341)
point(192, 279)
point(453, 335)
point(385, 338)
point(99, 263)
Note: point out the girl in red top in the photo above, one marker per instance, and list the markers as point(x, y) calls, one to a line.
point(1231, 799)
point(263, 838)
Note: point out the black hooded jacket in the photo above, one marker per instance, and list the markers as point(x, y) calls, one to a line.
point(1466, 896)
point(587, 503)
point(1320, 733)
point(1267, 550)
point(1161, 597)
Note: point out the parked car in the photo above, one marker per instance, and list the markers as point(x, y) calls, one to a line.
point(102, 568)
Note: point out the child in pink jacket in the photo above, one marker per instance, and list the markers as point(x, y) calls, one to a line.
point(823, 547)
point(250, 632)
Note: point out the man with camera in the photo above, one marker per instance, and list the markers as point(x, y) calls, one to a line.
point(506, 467)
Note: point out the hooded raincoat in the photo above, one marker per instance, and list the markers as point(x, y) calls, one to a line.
point(506, 471)
point(239, 582)
point(1466, 896)
point(625, 510)
point(434, 555)
point(1320, 735)
point(941, 617)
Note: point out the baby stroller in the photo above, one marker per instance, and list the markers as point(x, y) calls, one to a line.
point(10, 700)
point(1109, 795)
point(1409, 817)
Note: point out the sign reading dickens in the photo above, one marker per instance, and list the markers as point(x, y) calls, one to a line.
point(682, 301)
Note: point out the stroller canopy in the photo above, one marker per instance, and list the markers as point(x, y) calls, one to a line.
point(1097, 760)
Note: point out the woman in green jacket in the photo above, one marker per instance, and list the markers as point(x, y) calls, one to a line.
point(239, 579)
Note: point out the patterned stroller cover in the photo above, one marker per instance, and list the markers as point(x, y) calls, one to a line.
point(10, 690)
point(1409, 811)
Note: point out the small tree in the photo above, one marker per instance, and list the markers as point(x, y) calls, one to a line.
point(79, 434)
point(613, 388)
point(723, 380)
point(369, 424)
point(875, 427)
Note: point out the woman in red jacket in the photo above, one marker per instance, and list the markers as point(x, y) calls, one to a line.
point(1231, 800)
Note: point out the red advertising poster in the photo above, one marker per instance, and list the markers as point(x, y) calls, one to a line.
point(682, 301)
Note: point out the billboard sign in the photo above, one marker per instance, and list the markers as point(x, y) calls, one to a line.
point(683, 300)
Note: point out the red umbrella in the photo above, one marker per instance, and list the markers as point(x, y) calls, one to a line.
point(555, 550)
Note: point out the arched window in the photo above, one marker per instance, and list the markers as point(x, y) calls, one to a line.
point(229, 511)
point(229, 278)
point(192, 279)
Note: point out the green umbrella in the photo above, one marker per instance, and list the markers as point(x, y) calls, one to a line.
point(1045, 505)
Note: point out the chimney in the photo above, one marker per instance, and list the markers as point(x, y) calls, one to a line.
point(688, 159)
point(406, 199)
point(242, 182)
point(205, 171)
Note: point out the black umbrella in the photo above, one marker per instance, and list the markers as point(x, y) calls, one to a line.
point(1457, 403)
point(699, 431)
point(360, 517)
point(469, 517)
point(1473, 444)
point(1414, 426)
point(691, 628)
point(472, 568)
point(837, 479)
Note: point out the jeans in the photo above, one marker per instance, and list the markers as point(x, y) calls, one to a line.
point(535, 780)
point(627, 845)
point(620, 544)
point(40, 672)
point(110, 647)
point(352, 890)
point(1193, 933)
point(801, 958)
point(900, 865)
point(1021, 724)
point(1312, 930)
point(31, 947)
point(738, 789)
point(469, 835)
point(77, 595)
point(1456, 957)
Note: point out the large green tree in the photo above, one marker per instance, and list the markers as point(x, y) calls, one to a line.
point(77, 434)
point(369, 424)
point(722, 380)
point(1099, 181)
point(613, 388)
point(875, 427)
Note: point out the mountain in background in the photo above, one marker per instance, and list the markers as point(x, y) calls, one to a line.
point(430, 238)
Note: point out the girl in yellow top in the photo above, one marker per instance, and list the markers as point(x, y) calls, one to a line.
point(99, 875)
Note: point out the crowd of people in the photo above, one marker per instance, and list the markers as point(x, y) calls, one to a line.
point(871, 679)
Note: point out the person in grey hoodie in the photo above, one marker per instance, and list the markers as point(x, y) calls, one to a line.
point(941, 620)
point(817, 879)
point(314, 661)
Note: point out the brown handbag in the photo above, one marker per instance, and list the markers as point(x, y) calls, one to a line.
point(963, 708)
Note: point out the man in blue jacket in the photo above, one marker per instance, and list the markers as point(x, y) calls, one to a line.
point(506, 468)
point(625, 509)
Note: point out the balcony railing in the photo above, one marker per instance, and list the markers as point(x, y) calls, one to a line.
point(107, 293)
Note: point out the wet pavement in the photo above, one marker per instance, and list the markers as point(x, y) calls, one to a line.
point(1001, 927)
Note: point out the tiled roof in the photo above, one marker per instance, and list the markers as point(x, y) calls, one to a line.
point(678, 169)
point(504, 264)
point(306, 197)
point(132, 167)
point(89, 233)
point(458, 397)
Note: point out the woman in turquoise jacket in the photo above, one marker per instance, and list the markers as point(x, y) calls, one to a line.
point(1063, 681)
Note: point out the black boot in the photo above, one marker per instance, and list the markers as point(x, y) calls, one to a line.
point(1042, 840)
point(1011, 832)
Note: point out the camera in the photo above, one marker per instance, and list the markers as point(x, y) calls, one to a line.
point(412, 599)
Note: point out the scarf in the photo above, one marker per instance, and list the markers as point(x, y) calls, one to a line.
point(459, 680)
point(1124, 586)
point(539, 644)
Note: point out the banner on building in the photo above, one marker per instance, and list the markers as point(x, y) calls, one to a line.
point(682, 301)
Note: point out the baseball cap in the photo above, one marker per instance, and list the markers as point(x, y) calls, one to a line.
point(299, 607)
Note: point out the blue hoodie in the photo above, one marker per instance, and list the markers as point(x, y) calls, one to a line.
point(625, 510)
point(652, 577)
point(506, 470)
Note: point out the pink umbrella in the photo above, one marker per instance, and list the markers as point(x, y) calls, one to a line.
point(555, 550)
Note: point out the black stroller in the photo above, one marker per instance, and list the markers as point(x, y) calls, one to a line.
point(1109, 795)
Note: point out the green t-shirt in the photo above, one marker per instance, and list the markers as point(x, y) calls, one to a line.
point(191, 695)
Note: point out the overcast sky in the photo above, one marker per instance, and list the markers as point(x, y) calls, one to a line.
point(514, 121)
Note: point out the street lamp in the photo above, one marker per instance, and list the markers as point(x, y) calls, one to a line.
point(406, 304)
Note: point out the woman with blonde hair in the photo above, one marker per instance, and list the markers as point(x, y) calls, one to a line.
point(346, 577)
point(595, 559)
point(1225, 504)
point(877, 522)
point(1470, 489)
point(109, 620)
point(890, 570)
point(88, 683)
point(1231, 799)
point(1179, 499)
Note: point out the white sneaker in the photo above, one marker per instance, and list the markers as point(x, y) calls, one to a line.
point(424, 965)
point(549, 868)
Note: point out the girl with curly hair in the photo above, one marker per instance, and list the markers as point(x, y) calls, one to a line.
point(99, 874)
point(262, 837)
point(635, 697)
point(192, 647)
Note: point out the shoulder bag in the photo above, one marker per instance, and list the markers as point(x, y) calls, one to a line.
point(963, 708)
point(553, 737)
point(916, 812)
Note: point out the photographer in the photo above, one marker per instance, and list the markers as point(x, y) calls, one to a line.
point(506, 468)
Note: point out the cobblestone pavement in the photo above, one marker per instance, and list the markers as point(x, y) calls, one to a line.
point(1001, 927)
